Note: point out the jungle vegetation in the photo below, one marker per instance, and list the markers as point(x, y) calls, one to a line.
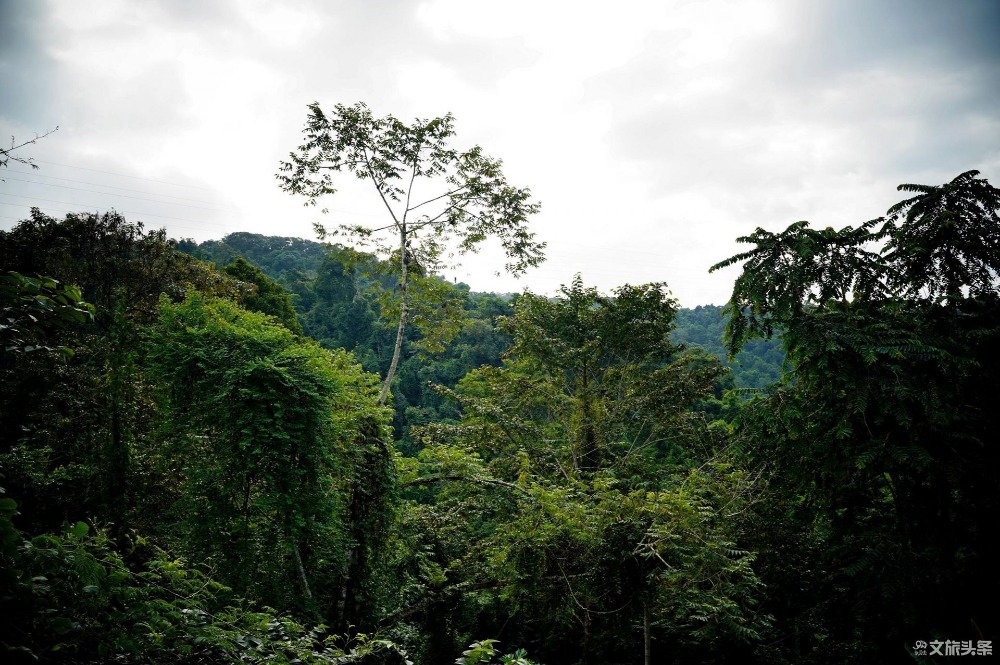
point(200, 462)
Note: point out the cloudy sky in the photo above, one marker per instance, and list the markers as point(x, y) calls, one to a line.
point(653, 133)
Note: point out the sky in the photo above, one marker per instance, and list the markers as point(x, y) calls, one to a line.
point(653, 133)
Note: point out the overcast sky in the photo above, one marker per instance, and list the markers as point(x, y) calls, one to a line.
point(653, 133)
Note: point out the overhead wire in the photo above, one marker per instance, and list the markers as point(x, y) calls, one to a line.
point(47, 210)
point(96, 184)
point(185, 222)
point(90, 205)
point(123, 196)
point(152, 200)
point(123, 175)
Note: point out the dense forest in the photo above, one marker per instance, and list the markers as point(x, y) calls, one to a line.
point(274, 450)
point(330, 295)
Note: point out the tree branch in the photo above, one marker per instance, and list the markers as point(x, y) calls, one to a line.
point(429, 480)
point(409, 188)
point(447, 592)
point(5, 153)
point(438, 198)
point(371, 174)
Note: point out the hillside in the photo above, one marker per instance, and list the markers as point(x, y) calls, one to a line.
point(329, 311)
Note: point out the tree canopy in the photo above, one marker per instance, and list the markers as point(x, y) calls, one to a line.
point(879, 447)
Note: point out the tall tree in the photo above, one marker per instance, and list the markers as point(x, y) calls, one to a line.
point(81, 422)
point(881, 448)
point(580, 482)
point(943, 244)
point(596, 350)
point(433, 194)
point(269, 431)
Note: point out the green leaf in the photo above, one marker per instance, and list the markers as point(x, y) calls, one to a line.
point(8, 507)
point(62, 625)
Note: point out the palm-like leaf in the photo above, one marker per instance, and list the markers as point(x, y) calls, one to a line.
point(800, 268)
point(946, 244)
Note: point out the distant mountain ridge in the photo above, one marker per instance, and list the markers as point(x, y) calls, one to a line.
point(298, 265)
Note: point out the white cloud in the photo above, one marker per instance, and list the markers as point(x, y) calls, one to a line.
point(653, 132)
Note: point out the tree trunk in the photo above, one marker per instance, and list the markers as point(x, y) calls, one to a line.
point(302, 573)
point(646, 641)
point(404, 310)
point(117, 456)
point(587, 444)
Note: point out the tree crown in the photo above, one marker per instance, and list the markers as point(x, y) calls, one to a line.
point(432, 192)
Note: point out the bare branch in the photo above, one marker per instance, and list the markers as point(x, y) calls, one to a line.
point(6, 154)
point(438, 198)
point(371, 174)
point(409, 188)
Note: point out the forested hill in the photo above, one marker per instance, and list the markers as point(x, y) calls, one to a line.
point(303, 268)
point(757, 365)
point(275, 255)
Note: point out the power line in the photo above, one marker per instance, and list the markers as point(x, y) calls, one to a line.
point(123, 175)
point(139, 191)
point(48, 210)
point(98, 184)
point(123, 196)
point(91, 205)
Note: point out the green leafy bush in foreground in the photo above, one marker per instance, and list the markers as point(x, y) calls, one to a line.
point(75, 597)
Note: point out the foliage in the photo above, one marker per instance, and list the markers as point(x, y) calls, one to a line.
point(75, 597)
point(31, 306)
point(277, 256)
point(939, 246)
point(943, 244)
point(264, 294)
point(758, 365)
point(879, 450)
point(579, 492)
point(69, 431)
point(797, 269)
point(339, 292)
point(120, 268)
point(264, 427)
point(339, 306)
point(477, 202)
point(556, 480)
point(484, 651)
